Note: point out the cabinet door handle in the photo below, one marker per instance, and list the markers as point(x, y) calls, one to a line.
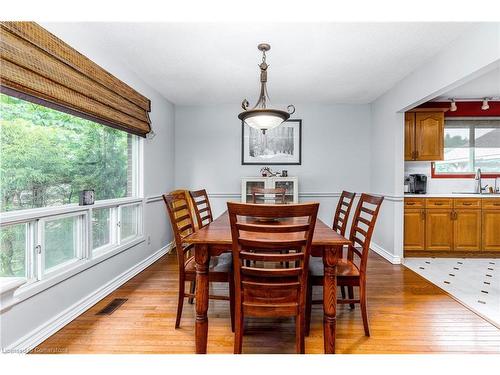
point(410, 203)
point(422, 214)
point(467, 204)
point(438, 204)
point(416, 154)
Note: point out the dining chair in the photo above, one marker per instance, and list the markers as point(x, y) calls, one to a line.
point(278, 195)
point(220, 270)
point(350, 272)
point(202, 209)
point(262, 288)
point(341, 219)
point(342, 212)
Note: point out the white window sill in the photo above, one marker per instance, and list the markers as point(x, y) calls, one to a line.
point(26, 289)
point(8, 286)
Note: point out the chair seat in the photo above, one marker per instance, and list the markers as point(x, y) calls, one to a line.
point(345, 268)
point(220, 264)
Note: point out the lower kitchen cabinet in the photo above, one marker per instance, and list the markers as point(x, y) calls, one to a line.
point(439, 230)
point(452, 224)
point(414, 229)
point(467, 230)
point(491, 230)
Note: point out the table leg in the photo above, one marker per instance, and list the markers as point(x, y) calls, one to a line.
point(202, 258)
point(330, 256)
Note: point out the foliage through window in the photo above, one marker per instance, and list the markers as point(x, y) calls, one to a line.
point(469, 145)
point(48, 157)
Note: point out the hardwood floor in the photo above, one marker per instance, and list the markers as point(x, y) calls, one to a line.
point(407, 315)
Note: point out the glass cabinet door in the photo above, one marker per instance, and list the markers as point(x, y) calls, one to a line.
point(289, 187)
point(250, 185)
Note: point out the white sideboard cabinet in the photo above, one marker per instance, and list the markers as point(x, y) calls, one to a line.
point(290, 184)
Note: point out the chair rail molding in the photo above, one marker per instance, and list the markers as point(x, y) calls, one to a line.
point(308, 194)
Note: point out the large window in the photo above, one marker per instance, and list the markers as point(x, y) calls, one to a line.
point(48, 157)
point(469, 145)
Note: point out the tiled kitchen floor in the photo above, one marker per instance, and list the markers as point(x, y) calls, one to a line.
point(473, 282)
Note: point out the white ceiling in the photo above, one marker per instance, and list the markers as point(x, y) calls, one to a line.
point(487, 85)
point(210, 63)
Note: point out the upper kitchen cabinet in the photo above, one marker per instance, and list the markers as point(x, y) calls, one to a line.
point(424, 136)
point(409, 135)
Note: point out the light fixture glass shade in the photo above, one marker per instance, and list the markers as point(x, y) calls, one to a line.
point(453, 106)
point(264, 119)
point(485, 105)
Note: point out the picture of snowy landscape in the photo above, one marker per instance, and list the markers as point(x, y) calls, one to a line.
point(280, 145)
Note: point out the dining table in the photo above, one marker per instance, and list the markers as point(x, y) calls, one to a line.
point(215, 239)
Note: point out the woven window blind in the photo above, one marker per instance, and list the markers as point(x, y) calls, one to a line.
point(36, 63)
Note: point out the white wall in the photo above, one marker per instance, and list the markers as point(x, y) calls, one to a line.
point(463, 60)
point(335, 152)
point(35, 315)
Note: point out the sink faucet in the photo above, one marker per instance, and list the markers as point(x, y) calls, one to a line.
point(479, 185)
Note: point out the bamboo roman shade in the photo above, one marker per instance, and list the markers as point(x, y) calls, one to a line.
point(37, 63)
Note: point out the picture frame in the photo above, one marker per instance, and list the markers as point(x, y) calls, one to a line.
point(279, 146)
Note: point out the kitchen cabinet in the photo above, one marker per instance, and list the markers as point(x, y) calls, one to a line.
point(467, 229)
point(452, 224)
point(409, 135)
point(491, 224)
point(414, 229)
point(439, 229)
point(290, 184)
point(424, 136)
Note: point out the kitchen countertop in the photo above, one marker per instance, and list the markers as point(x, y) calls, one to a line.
point(451, 195)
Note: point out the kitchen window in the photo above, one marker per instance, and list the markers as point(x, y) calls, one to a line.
point(48, 157)
point(469, 144)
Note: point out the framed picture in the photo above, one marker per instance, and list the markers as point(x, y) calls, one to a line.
point(279, 146)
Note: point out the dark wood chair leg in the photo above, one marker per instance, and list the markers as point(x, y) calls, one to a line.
point(299, 334)
point(238, 330)
point(364, 314)
point(231, 299)
point(192, 288)
point(180, 301)
point(350, 292)
point(342, 291)
point(308, 308)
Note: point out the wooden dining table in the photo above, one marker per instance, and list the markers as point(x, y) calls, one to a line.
point(215, 239)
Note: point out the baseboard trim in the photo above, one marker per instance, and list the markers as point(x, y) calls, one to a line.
point(385, 254)
point(41, 333)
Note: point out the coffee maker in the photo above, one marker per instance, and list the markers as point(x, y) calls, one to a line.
point(417, 184)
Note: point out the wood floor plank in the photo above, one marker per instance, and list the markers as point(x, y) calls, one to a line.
point(407, 315)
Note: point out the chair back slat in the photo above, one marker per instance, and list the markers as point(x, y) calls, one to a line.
point(278, 244)
point(272, 228)
point(202, 208)
point(271, 257)
point(181, 221)
point(342, 214)
point(267, 273)
point(277, 195)
point(362, 228)
point(262, 283)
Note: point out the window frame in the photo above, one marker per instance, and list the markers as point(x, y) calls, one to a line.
point(472, 140)
point(36, 280)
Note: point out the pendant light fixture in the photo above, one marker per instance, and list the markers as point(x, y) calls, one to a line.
point(260, 117)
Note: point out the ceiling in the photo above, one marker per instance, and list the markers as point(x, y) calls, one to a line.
point(212, 63)
point(487, 85)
